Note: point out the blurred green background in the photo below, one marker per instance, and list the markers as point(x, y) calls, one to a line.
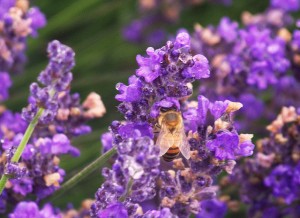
point(93, 29)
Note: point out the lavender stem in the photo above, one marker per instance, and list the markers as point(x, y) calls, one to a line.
point(96, 164)
point(22, 144)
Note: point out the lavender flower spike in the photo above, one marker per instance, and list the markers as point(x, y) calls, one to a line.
point(131, 179)
point(43, 102)
point(55, 78)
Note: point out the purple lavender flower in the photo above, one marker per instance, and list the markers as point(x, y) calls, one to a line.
point(5, 85)
point(154, 16)
point(131, 179)
point(166, 73)
point(18, 22)
point(228, 30)
point(12, 124)
point(13, 170)
point(281, 182)
point(212, 209)
point(267, 57)
point(41, 157)
point(106, 141)
point(291, 5)
point(37, 18)
point(163, 83)
point(40, 160)
point(269, 183)
point(224, 145)
point(193, 182)
point(55, 78)
point(31, 209)
point(250, 63)
point(164, 212)
point(114, 210)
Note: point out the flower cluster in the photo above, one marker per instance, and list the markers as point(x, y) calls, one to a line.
point(55, 78)
point(38, 171)
point(31, 209)
point(169, 150)
point(215, 145)
point(260, 56)
point(251, 63)
point(270, 181)
point(161, 84)
point(17, 22)
point(165, 74)
point(131, 179)
point(149, 27)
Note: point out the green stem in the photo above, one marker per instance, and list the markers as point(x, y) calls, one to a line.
point(22, 145)
point(96, 164)
point(128, 190)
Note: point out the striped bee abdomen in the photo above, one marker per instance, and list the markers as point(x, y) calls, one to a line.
point(171, 154)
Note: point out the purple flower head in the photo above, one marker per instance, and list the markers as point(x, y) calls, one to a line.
point(157, 37)
point(106, 141)
point(13, 170)
point(203, 106)
point(212, 209)
point(4, 86)
point(12, 124)
point(199, 70)
point(155, 16)
point(250, 101)
point(281, 181)
point(23, 186)
point(58, 145)
point(113, 210)
point(228, 29)
point(150, 66)
point(130, 93)
point(135, 130)
point(182, 191)
point(224, 145)
point(133, 31)
point(266, 54)
point(18, 23)
point(218, 108)
point(290, 5)
point(38, 20)
point(273, 175)
point(228, 145)
point(5, 6)
point(136, 168)
point(163, 82)
point(55, 78)
point(164, 212)
point(164, 76)
point(31, 209)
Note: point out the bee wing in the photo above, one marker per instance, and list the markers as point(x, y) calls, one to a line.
point(164, 140)
point(183, 143)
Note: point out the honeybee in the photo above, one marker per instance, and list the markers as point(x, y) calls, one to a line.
point(171, 138)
